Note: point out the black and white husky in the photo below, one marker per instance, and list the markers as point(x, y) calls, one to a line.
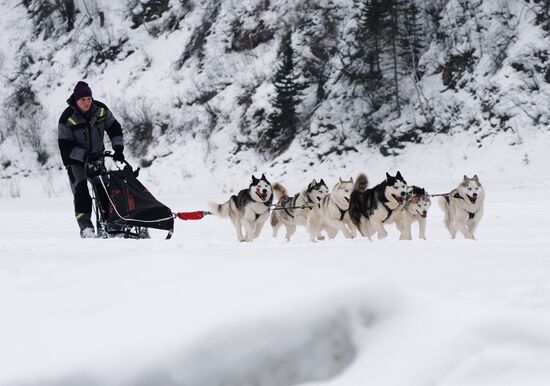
point(249, 209)
point(370, 209)
point(417, 203)
point(463, 207)
point(292, 211)
point(331, 214)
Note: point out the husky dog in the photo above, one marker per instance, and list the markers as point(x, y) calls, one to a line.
point(331, 214)
point(249, 209)
point(417, 203)
point(463, 207)
point(369, 209)
point(292, 211)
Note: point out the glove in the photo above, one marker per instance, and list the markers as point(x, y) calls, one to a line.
point(118, 156)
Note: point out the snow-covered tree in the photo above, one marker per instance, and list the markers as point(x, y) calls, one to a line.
point(283, 122)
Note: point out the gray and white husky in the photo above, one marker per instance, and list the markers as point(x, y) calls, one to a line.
point(417, 203)
point(463, 207)
point(292, 211)
point(249, 209)
point(331, 214)
point(370, 209)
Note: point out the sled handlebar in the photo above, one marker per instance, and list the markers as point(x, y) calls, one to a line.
point(95, 163)
point(108, 154)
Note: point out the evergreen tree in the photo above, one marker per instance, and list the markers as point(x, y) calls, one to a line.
point(362, 59)
point(372, 24)
point(411, 35)
point(353, 57)
point(283, 122)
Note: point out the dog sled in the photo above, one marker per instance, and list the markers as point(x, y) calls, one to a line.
point(124, 208)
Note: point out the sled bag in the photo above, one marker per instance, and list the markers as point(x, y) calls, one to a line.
point(134, 204)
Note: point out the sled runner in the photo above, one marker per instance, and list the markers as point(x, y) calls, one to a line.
point(123, 206)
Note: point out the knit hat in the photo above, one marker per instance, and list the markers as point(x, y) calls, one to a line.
point(81, 90)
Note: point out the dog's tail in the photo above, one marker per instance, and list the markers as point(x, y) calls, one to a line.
point(221, 210)
point(361, 183)
point(280, 191)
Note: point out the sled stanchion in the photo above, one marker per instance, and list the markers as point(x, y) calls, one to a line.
point(196, 215)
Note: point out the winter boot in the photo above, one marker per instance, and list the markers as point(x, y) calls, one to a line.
point(87, 233)
point(85, 225)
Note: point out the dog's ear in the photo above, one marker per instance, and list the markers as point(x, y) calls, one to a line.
point(475, 177)
point(388, 176)
point(254, 179)
point(466, 179)
point(340, 178)
point(399, 176)
point(263, 177)
point(322, 182)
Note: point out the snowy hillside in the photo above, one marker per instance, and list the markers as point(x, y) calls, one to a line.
point(193, 81)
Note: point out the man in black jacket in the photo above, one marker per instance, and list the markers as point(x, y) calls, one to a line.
point(80, 136)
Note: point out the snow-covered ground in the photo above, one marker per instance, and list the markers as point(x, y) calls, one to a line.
point(205, 310)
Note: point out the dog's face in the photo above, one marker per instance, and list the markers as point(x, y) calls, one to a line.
point(341, 192)
point(260, 189)
point(396, 188)
point(418, 201)
point(471, 189)
point(317, 190)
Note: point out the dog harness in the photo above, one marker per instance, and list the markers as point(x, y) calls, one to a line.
point(390, 211)
point(293, 206)
point(257, 215)
point(293, 203)
point(470, 214)
point(342, 212)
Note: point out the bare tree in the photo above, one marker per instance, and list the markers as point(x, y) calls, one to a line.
point(32, 133)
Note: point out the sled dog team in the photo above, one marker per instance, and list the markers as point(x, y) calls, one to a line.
point(351, 207)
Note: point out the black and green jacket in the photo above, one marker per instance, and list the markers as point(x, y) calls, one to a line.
point(80, 135)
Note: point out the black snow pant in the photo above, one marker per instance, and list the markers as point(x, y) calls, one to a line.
point(82, 198)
